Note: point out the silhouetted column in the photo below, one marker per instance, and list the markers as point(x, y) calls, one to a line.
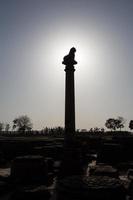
point(69, 62)
point(71, 162)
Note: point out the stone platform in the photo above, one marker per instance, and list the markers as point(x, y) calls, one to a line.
point(93, 188)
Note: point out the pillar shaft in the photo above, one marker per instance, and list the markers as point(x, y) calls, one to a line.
point(69, 101)
point(71, 164)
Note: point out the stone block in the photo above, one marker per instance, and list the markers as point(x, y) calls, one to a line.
point(93, 188)
point(29, 169)
point(31, 192)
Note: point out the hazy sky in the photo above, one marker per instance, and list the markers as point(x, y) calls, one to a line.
point(34, 37)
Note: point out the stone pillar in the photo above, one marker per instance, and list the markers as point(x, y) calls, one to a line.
point(69, 63)
point(71, 163)
point(69, 100)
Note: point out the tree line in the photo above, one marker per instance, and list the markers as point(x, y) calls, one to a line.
point(118, 123)
point(23, 124)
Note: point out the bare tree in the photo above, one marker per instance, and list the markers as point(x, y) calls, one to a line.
point(7, 127)
point(1, 126)
point(22, 123)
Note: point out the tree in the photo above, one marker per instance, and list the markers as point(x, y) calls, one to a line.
point(22, 123)
point(120, 121)
point(131, 124)
point(96, 130)
point(1, 126)
point(110, 124)
point(114, 124)
point(102, 130)
point(7, 127)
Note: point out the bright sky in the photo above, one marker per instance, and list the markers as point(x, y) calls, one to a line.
point(35, 35)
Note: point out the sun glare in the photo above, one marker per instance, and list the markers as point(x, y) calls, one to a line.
point(87, 53)
point(87, 50)
point(63, 48)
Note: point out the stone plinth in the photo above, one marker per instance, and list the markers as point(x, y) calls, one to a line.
point(93, 188)
point(110, 153)
point(104, 170)
point(31, 192)
point(71, 163)
point(29, 169)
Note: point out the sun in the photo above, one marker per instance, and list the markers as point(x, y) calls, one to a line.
point(59, 45)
